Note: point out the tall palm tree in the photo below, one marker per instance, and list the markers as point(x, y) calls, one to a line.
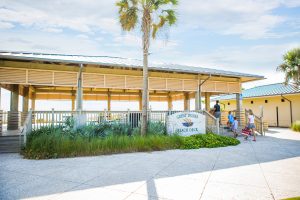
point(153, 17)
point(291, 66)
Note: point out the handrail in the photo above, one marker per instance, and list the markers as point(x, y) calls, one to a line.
point(27, 126)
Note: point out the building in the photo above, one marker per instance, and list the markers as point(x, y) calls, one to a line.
point(280, 103)
point(76, 77)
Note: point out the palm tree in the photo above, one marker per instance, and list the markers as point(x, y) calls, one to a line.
point(291, 66)
point(149, 11)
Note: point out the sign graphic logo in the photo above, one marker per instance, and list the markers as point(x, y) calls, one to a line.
point(187, 122)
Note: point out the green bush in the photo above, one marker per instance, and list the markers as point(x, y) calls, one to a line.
point(208, 140)
point(296, 126)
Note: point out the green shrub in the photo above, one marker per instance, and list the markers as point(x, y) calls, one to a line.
point(154, 128)
point(208, 140)
point(296, 126)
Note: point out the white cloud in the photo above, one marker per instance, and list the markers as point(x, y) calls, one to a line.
point(6, 25)
point(249, 19)
point(82, 36)
point(82, 16)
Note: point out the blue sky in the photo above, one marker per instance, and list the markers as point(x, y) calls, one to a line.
point(245, 36)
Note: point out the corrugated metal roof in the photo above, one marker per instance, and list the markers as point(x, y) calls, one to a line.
point(120, 62)
point(265, 90)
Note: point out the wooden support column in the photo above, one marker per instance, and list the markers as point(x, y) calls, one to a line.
point(79, 90)
point(207, 101)
point(33, 101)
point(140, 101)
point(73, 100)
point(1, 114)
point(186, 102)
point(25, 104)
point(1, 121)
point(198, 98)
point(170, 104)
point(13, 114)
point(0, 98)
point(109, 101)
point(240, 114)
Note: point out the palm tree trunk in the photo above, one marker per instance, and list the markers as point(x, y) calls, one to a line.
point(146, 36)
point(298, 80)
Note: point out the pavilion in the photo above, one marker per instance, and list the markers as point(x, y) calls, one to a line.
point(39, 76)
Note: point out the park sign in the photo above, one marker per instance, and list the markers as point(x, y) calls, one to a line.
point(186, 123)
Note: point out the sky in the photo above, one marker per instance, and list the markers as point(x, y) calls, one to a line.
point(245, 36)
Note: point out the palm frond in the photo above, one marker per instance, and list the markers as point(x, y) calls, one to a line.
point(128, 14)
point(167, 16)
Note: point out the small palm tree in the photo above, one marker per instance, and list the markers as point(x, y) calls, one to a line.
point(291, 66)
point(149, 11)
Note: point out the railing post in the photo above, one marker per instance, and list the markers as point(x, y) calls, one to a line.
point(52, 118)
point(218, 125)
point(128, 117)
point(1, 121)
point(28, 125)
point(261, 126)
point(149, 117)
point(105, 115)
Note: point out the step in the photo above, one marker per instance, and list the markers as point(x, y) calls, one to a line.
point(10, 144)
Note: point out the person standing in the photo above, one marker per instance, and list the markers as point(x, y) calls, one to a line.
point(230, 120)
point(235, 126)
point(217, 111)
point(251, 124)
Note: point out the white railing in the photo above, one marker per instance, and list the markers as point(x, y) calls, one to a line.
point(38, 119)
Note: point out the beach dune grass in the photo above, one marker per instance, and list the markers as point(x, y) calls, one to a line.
point(296, 126)
point(57, 143)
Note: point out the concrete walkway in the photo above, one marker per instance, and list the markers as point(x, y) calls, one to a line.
point(267, 169)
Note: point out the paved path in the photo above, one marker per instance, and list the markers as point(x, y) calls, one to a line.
point(267, 169)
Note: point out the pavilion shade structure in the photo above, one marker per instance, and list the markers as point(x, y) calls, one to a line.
point(93, 80)
point(54, 76)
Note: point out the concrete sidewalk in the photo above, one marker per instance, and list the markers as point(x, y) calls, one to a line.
point(266, 169)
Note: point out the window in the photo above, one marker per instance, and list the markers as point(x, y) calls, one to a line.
point(266, 101)
point(282, 100)
point(251, 102)
point(228, 103)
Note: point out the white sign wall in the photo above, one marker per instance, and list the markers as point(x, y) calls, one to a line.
point(186, 123)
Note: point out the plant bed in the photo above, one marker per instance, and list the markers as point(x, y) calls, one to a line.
point(296, 126)
point(60, 142)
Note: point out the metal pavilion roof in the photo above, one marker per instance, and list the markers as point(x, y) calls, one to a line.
point(265, 90)
point(119, 62)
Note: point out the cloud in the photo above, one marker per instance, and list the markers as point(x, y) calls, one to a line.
point(82, 16)
point(249, 19)
point(6, 25)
